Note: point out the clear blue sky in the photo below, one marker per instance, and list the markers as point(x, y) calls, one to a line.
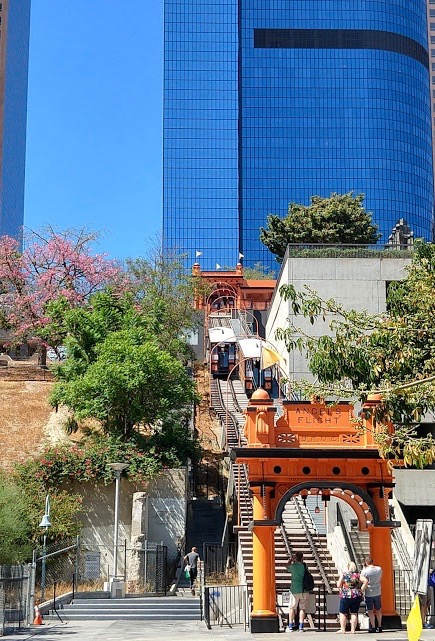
point(94, 137)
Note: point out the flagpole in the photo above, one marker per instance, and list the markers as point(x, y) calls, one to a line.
point(261, 363)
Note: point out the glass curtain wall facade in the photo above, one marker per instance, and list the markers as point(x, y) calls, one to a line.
point(14, 61)
point(319, 96)
point(201, 178)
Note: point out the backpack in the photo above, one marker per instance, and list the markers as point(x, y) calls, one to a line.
point(308, 581)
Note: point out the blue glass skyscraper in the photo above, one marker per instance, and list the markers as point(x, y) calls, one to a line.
point(14, 60)
point(268, 102)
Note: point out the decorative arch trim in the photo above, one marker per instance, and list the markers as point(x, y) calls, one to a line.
point(331, 485)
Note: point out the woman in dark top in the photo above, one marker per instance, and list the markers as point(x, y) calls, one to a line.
point(352, 587)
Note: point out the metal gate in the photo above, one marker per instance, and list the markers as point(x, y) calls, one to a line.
point(226, 605)
point(15, 587)
point(220, 562)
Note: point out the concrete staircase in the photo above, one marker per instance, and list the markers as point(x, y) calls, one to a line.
point(205, 524)
point(361, 543)
point(297, 538)
point(134, 608)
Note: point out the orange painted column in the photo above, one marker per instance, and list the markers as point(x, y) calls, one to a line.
point(382, 554)
point(264, 617)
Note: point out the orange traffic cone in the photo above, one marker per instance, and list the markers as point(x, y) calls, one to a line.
point(38, 616)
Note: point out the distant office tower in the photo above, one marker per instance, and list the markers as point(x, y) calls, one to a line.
point(14, 58)
point(431, 36)
point(270, 102)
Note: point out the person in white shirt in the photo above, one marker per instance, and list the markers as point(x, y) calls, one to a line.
point(373, 573)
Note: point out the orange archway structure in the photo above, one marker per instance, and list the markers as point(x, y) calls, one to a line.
point(313, 448)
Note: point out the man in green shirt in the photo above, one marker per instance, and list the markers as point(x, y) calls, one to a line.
point(297, 597)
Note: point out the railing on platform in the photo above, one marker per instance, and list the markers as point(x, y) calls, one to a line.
point(307, 250)
point(321, 611)
point(220, 562)
point(226, 605)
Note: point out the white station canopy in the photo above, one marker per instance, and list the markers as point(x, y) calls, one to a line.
point(250, 347)
point(222, 335)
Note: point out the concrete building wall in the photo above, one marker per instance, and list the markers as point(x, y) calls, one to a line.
point(166, 510)
point(356, 283)
point(415, 487)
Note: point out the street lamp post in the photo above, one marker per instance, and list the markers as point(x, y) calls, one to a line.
point(45, 523)
point(117, 468)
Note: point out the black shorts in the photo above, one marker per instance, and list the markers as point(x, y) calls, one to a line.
point(350, 605)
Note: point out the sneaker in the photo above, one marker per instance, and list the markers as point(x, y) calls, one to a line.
point(428, 626)
point(301, 629)
point(372, 630)
point(380, 629)
point(289, 629)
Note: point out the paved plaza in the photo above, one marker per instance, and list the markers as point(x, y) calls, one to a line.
point(177, 631)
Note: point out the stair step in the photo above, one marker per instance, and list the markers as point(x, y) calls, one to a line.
point(140, 608)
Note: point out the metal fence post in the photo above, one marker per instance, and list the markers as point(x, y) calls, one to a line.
point(2, 608)
point(31, 589)
point(44, 560)
point(145, 563)
point(206, 608)
point(77, 563)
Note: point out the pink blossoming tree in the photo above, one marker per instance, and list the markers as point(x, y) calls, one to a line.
point(53, 265)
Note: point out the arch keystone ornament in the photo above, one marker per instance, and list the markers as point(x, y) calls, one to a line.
point(314, 448)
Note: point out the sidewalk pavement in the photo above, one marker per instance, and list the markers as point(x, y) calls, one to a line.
point(179, 631)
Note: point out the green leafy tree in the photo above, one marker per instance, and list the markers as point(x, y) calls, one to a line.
point(258, 272)
point(166, 293)
point(392, 353)
point(339, 219)
point(15, 524)
point(117, 371)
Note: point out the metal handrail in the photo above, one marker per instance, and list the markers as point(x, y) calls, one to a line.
point(242, 482)
point(320, 543)
point(287, 545)
point(312, 546)
point(349, 543)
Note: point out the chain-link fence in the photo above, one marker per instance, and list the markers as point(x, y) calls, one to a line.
point(56, 566)
point(74, 565)
point(15, 589)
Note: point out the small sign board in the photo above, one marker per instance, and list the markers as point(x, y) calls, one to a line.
point(421, 561)
point(91, 565)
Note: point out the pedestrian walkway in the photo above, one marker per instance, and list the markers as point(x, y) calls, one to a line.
point(178, 631)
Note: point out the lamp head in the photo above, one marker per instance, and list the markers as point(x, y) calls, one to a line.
point(45, 521)
point(117, 467)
